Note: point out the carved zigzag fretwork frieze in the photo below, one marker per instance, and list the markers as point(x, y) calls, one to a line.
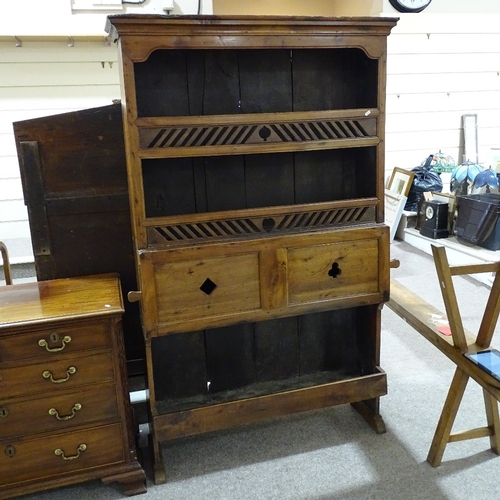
point(238, 134)
point(252, 226)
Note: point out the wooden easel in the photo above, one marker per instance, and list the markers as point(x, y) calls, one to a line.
point(416, 312)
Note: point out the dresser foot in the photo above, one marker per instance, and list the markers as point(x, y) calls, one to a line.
point(133, 482)
point(371, 416)
point(160, 476)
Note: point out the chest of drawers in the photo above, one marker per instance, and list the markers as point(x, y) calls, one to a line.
point(65, 415)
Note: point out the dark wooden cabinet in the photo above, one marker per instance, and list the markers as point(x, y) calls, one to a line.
point(255, 158)
point(75, 188)
point(65, 414)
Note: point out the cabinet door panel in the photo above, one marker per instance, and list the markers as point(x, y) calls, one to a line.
point(207, 287)
point(324, 272)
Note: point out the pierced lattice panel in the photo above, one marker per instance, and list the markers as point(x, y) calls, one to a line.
point(239, 134)
point(252, 226)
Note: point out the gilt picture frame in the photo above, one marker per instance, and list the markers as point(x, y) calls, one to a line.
point(400, 181)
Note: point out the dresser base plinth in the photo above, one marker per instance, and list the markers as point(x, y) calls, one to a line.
point(133, 480)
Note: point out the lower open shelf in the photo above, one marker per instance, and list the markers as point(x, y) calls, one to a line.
point(223, 414)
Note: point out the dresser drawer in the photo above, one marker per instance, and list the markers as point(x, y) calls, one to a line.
point(331, 271)
point(211, 286)
point(53, 375)
point(61, 454)
point(48, 342)
point(57, 412)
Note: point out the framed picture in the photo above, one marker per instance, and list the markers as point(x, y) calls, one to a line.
point(400, 181)
point(394, 204)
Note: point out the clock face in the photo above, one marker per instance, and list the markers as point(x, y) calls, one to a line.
point(410, 5)
point(429, 212)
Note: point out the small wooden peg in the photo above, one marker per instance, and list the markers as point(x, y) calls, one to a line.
point(134, 296)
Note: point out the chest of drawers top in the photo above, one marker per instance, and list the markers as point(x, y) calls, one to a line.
point(48, 302)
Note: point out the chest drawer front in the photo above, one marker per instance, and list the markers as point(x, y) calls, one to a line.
point(57, 412)
point(208, 287)
point(61, 454)
point(49, 342)
point(332, 271)
point(53, 375)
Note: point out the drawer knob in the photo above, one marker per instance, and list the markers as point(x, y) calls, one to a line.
point(60, 453)
point(335, 271)
point(65, 340)
point(4, 412)
point(70, 371)
point(75, 408)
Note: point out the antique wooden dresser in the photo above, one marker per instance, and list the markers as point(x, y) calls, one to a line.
point(255, 155)
point(65, 414)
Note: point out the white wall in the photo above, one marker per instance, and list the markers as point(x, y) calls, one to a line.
point(440, 67)
point(442, 63)
point(45, 76)
point(58, 17)
point(40, 79)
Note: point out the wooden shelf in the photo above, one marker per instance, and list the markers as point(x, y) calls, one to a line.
point(261, 406)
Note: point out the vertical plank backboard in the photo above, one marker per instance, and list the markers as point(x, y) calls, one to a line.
point(265, 81)
point(230, 362)
point(168, 186)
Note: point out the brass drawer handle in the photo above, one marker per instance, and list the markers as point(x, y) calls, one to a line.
point(75, 408)
point(65, 340)
point(70, 371)
point(60, 453)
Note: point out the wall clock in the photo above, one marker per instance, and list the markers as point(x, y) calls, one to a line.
point(410, 5)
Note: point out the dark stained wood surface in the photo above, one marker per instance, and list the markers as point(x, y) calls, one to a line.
point(75, 188)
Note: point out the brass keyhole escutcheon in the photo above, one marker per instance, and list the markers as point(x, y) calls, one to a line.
point(4, 412)
point(335, 271)
point(10, 451)
point(54, 337)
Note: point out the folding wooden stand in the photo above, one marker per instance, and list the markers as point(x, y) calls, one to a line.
point(416, 312)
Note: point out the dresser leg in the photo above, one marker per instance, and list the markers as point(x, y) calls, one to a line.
point(159, 474)
point(369, 411)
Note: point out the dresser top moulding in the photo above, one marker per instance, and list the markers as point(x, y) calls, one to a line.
point(142, 34)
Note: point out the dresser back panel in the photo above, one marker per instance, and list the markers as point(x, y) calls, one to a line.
point(213, 82)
